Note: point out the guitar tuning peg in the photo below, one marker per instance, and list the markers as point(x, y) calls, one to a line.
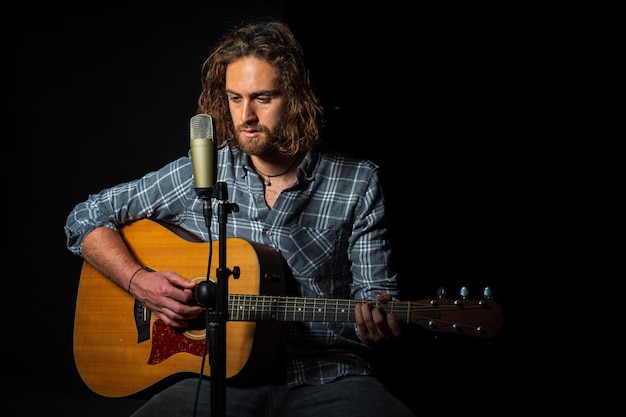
point(441, 292)
point(488, 292)
point(464, 291)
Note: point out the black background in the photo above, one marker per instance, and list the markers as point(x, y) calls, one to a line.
point(101, 95)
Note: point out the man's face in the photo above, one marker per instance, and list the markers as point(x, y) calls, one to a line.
point(255, 102)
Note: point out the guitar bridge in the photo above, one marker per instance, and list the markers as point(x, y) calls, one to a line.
point(142, 321)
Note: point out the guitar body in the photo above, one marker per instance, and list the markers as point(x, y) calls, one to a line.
point(109, 354)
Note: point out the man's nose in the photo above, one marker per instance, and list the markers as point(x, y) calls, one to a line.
point(248, 114)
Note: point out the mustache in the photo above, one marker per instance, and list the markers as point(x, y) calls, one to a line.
point(255, 127)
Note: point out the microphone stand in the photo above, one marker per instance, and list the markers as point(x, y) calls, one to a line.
point(216, 332)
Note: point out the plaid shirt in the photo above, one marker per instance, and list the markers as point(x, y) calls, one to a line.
point(329, 227)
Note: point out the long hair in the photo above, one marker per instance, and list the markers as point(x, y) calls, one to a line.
point(273, 42)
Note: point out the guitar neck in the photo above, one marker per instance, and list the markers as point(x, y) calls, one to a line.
point(475, 317)
point(245, 307)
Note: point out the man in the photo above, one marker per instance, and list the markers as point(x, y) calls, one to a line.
point(322, 211)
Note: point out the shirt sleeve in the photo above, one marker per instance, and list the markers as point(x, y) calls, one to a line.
point(160, 194)
point(370, 247)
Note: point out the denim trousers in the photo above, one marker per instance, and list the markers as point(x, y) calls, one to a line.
point(357, 396)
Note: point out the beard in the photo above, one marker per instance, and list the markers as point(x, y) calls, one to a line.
point(266, 143)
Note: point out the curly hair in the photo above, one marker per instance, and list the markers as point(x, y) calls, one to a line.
point(275, 43)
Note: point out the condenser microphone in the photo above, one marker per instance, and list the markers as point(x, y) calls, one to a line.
point(203, 154)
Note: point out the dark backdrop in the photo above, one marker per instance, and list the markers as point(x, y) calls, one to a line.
point(103, 95)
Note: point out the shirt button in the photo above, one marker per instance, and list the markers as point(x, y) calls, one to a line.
point(257, 196)
point(268, 232)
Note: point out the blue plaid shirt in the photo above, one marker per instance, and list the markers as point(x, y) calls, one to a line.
point(329, 227)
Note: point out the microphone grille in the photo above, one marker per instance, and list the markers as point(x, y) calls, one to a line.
point(201, 127)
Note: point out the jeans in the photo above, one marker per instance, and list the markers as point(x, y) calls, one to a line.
point(358, 396)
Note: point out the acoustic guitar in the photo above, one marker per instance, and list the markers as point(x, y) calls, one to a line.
point(121, 349)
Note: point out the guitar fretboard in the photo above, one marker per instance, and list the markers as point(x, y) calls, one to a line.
point(245, 307)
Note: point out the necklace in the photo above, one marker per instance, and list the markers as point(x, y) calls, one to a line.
point(267, 181)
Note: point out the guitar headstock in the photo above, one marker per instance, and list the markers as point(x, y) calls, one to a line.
point(480, 317)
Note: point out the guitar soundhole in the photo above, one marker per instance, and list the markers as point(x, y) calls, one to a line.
point(199, 323)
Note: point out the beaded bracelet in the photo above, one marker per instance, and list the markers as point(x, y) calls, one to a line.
point(131, 278)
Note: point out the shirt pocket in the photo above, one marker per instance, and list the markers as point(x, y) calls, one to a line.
point(312, 252)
